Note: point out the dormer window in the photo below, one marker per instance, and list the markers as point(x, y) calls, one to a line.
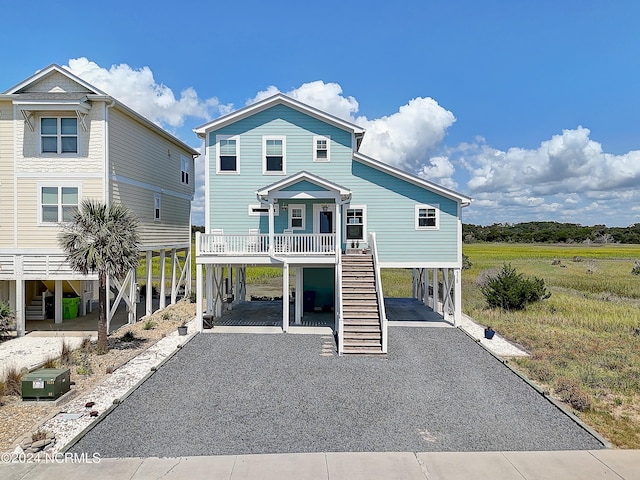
point(274, 159)
point(321, 149)
point(59, 135)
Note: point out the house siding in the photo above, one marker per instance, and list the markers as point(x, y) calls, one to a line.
point(155, 169)
point(390, 201)
point(6, 174)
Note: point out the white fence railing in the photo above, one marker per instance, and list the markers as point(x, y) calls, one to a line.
point(382, 310)
point(259, 244)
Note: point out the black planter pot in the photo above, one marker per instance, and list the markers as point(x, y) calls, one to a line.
point(489, 333)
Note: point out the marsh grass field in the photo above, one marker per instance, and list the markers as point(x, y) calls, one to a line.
point(584, 340)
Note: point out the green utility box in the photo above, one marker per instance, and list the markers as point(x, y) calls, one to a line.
point(46, 384)
point(70, 307)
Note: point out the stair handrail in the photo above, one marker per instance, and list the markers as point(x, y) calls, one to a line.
point(339, 315)
point(382, 311)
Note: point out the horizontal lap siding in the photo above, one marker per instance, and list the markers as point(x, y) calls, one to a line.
point(6, 174)
point(391, 204)
point(30, 234)
point(139, 155)
point(230, 194)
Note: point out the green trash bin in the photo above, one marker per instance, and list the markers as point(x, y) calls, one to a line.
point(70, 307)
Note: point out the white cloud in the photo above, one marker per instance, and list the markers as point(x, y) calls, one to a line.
point(138, 89)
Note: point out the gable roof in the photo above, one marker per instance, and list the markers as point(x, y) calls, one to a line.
point(301, 176)
point(411, 178)
point(278, 99)
point(77, 100)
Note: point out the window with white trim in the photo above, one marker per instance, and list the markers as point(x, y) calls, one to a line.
point(262, 210)
point(427, 217)
point(297, 216)
point(59, 135)
point(321, 149)
point(156, 207)
point(227, 159)
point(184, 169)
point(274, 155)
point(58, 204)
point(355, 222)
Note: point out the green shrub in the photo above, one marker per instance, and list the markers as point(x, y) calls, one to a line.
point(466, 263)
point(636, 268)
point(148, 325)
point(7, 318)
point(511, 290)
point(12, 381)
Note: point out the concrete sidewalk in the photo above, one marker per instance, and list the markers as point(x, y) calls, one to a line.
point(565, 465)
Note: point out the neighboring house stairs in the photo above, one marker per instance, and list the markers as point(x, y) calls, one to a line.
point(361, 312)
point(35, 310)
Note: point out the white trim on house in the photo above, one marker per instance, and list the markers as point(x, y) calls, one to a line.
point(331, 190)
point(236, 139)
point(150, 187)
point(302, 218)
point(265, 154)
point(327, 143)
point(278, 99)
point(345, 217)
point(59, 186)
point(260, 210)
point(430, 212)
point(414, 179)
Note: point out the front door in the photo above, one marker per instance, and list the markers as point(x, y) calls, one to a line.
point(324, 222)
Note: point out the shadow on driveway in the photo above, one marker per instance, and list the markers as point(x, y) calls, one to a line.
point(436, 390)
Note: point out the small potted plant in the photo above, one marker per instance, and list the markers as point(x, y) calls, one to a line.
point(182, 328)
point(489, 332)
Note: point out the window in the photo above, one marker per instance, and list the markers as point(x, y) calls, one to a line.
point(184, 169)
point(227, 149)
point(58, 204)
point(297, 217)
point(427, 217)
point(273, 150)
point(262, 210)
point(59, 135)
point(354, 219)
point(156, 207)
point(321, 149)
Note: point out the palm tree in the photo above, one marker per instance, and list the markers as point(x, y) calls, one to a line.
point(103, 239)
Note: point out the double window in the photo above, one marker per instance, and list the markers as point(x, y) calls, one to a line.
point(274, 155)
point(59, 135)
point(58, 204)
point(321, 149)
point(427, 217)
point(227, 158)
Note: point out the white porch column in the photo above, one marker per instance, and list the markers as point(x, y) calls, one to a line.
point(237, 287)
point(338, 231)
point(299, 295)
point(57, 301)
point(131, 304)
point(208, 270)
point(414, 284)
point(285, 297)
point(218, 280)
point(163, 278)
point(19, 303)
point(271, 229)
point(457, 297)
point(199, 324)
point(174, 287)
point(149, 295)
point(230, 284)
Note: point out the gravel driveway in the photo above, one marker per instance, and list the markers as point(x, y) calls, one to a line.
point(436, 390)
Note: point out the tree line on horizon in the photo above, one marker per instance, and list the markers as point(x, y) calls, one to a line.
point(550, 232)
point(540, 232)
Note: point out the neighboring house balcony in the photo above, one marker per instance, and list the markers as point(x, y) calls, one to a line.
point(218, 246)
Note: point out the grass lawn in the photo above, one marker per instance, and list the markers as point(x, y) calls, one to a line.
point(584, 340)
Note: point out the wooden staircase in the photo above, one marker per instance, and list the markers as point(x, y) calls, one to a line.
point(360, 310)
point(35, 310)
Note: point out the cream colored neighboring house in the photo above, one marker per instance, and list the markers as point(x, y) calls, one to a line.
point(63, 140)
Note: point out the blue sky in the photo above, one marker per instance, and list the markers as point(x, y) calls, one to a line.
point(531, 108)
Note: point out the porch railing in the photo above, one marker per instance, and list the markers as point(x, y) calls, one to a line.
point(259, 244)
point(382, 311)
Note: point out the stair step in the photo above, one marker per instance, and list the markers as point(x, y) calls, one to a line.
point(362, 350)
point(362, 322)
point(357, 337)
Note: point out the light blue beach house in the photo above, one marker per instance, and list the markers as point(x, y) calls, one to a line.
point(287, 187)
